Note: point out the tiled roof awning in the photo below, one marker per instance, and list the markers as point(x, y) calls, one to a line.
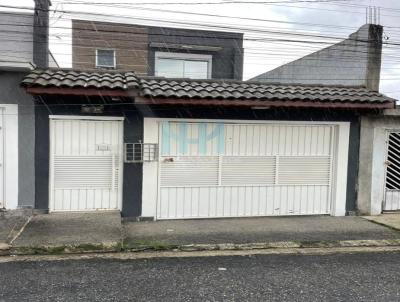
point(233, 90)
point(151, 90)
point(81, 79)
point(93, 82)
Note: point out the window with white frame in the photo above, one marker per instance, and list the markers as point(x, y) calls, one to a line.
point(183, 65)
point(105, 58)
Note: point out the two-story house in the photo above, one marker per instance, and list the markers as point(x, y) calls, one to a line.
point(156, 123)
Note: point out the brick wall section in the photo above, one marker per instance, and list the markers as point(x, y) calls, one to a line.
point(129, 41)
point(133, 51)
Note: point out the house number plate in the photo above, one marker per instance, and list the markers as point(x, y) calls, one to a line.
point(103, 147)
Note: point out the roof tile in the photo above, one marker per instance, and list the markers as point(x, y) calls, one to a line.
point(223, 89)
point(201, 89)
point(81, 79)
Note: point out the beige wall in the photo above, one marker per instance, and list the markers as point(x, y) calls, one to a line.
point(129, 41)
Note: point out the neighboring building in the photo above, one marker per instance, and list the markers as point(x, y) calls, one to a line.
point(23, 45)
point(379, 174)
point(355, 61)
point(157, 51)
point(177, 148)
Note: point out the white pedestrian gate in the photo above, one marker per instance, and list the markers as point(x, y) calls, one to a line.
point(232, 170)
point(392, 182)
point(85, 163)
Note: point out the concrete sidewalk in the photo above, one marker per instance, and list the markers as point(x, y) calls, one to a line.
point(245, 231)
point(10, 226)
point(70, 232)
point(104, 232)
point(388, 220)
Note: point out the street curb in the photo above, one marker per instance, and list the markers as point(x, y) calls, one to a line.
point(4, 249)
point(266, 245)
point(113, 247)
point(178, 254)
point(104, 247)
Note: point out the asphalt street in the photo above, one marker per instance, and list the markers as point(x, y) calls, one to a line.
point(340, 277)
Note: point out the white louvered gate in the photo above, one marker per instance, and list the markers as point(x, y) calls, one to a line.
point(85, 164)
point(232, 170)
point(392, 182)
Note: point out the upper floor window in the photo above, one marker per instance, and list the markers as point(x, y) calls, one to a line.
point(183, 65)
point(105, 58)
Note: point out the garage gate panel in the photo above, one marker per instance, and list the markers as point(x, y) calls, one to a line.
point(251, 170)
point(233, 170)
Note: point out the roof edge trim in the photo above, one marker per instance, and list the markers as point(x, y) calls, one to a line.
point(78, 91)
point(263, 103)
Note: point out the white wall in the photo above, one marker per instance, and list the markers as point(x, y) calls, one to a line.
point(10, 148)
point(340, 179)
point(150, 171)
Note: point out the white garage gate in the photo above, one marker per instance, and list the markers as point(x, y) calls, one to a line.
point(220, 169)
point(85, 163)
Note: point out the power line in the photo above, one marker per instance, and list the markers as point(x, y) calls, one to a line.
point(302, 41)
point(246, 50)
point(220, 37)
point(198, 35)
point(264, 54)
point(217, 3)
point(135, 6)
point(232, 17)
point(247, 29)
point(213, 25)
point(351, 58)
point(275, 3)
